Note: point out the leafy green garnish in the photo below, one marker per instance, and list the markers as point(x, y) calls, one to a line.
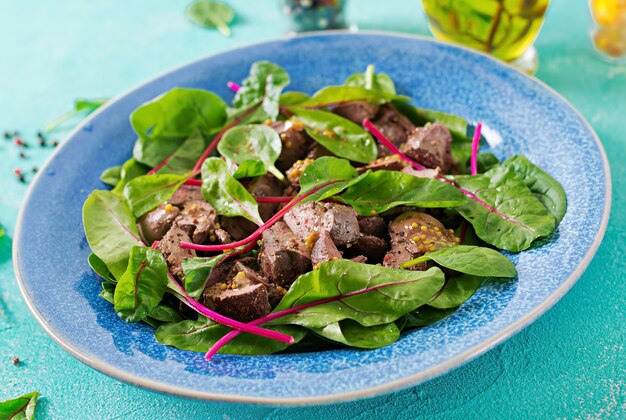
point(197, 272)
point(371, 80)
point(211, 14)
point(82, 107)
point(455, 291)
point(323, 170)
point(339, 135)
point(469, 259)
point(334, 95)
point(142, 286)
point(256, 142)
point(110, 229)
point(185, 157)
point(146, 192)
point(545, 188)
point(382, 190)
point(516, 218)
point(264, 84)
point(227, 196)
point(422, 316)
point(20, 408)
point(111, 176)
point(353, 334)
point(131, 169)
point(249, 169)
point(164, 123)
point(100, 268)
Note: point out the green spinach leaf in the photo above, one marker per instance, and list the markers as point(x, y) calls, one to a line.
point(131, 169)
point(371, 80)
point(293, 98)
point(382, 190)
point(256, 142)
point(110, 229)
point(334, 95)
point(108, 292)
point(455, 291)
point(227, 196)
point(142, 286)
point(517, 218)
point(249, 169)
point(164, 123)
point(353, 334)
point(326, 169)
point(264, 84)
point(404, 291)
point(111, 176)
point(339, 135)
point(468, 259)
point(545, 188)
point(186, 156)
point(197, 271)
point(146, 192)
point(200, 335)
point(100, 268)
point(165, 313)
point(422, 316)
point(211, 14)
point(20, 408)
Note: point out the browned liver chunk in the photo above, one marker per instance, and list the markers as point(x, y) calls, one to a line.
point(430, 146)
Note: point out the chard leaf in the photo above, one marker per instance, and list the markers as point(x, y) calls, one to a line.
point(518, 217)
point(403, 292)
point(227, 196)
point(111, 176)
point(353, 334)
point(545, 188)
point(110, 229)
point(325, 169)
point(20, 408)
point(164, 123)
point(185, 157)
point(422, 316)
point(333, 95)
point(197, 271)
point(339, 135)
point(165, 313)
point(373, 81)
point(468, 259)
point(142, 286)
point(146, 192)
point(131, 169)
point(200, 335)
point(256, 142)
point(382, 190)
point(293, 98)
point(486, 161)
point(211, 14)
point(455, 291)
point(108, 292)
point(264, 84)
point(100, 268)
point(249, 169)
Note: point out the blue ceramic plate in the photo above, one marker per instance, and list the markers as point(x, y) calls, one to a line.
point(523, 116)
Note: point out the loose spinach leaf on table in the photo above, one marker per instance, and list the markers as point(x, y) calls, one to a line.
point(82, 107)
point(334, 95)
point(382, 190)
point(403, 292)
point(200, 335)
point(211, 14)
point(371, 80)
point(111, 176)
point(256, 142)
point(517, 218)
point(545, 188)
point(455, 291)
point(110, 229)
point(468, 259)
point(20, 408)
point(339, 135)
point(353, 334)
point(164, 123)
point(197, 271)
point(264, 84)
point(142, 286)
point(227, 196)
point(146, 192)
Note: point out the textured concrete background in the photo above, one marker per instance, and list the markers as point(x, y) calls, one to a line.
point(570, 363)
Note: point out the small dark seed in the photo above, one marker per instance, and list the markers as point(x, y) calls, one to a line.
point(22, 155)
point(21, 178)
point(15, 360)
point(42, 141)
point(34, 169)
point(39, 134)
point(7, 135)
point(55, 143)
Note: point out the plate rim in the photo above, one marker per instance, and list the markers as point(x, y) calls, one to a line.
point(411, 380)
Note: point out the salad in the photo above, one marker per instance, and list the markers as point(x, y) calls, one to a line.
point(294, 222)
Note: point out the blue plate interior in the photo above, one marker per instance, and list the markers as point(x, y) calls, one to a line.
point(523, 116)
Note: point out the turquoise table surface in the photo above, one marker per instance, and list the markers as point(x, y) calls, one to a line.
point(571, 363)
